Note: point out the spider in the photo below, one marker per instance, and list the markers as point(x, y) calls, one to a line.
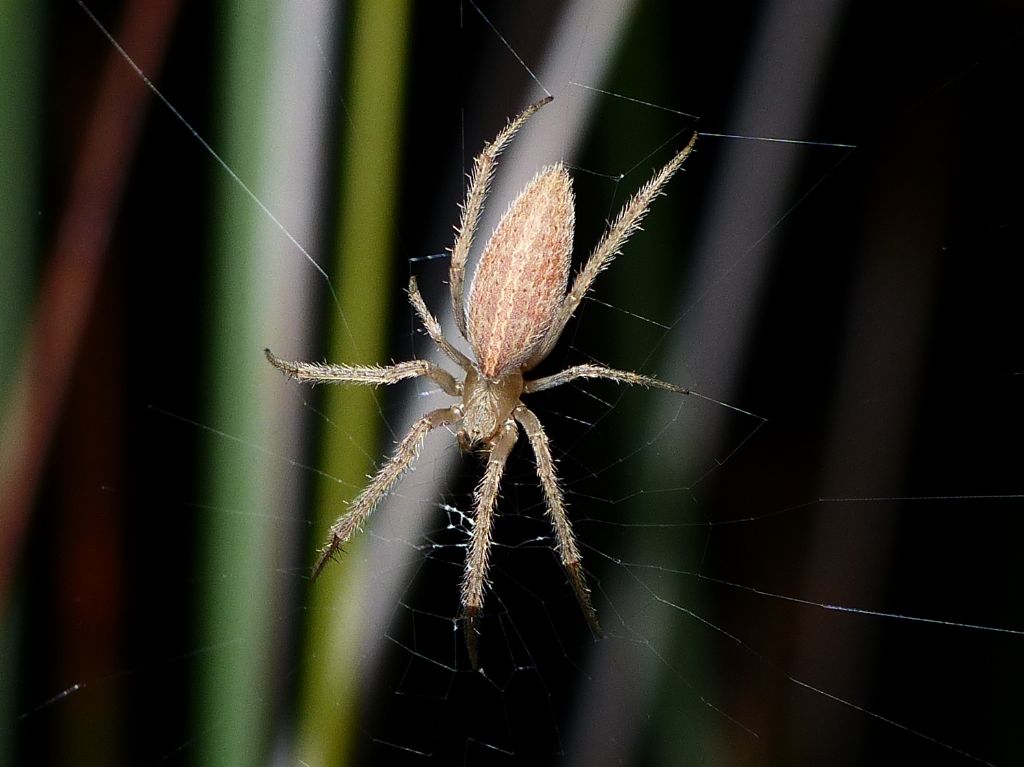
point(518, 307)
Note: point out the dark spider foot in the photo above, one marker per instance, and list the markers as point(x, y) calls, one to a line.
point(579, 587)
point(327, 554)
point(469, 627)
point(283, 365)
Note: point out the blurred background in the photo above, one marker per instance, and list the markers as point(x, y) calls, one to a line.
point(816, 563)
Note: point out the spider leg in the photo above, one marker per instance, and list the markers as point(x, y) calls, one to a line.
point(382, 482)
point(622, 228)
point(474, 577)
point(567, 548)
point(599, 371)
point(433, 328)
point(375, 375)
point(476, 195)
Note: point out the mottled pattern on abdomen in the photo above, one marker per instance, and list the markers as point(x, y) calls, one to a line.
point(521, 279)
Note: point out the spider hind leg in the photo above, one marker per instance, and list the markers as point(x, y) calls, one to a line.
point(328, 553)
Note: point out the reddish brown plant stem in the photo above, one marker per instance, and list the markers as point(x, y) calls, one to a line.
point(74, 265)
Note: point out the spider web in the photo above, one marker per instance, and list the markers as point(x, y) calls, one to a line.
point(813, 562)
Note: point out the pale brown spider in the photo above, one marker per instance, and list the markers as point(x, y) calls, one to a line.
point(517, 309)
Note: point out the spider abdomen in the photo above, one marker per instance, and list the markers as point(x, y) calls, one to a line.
point(521, 279)
point(518, 308)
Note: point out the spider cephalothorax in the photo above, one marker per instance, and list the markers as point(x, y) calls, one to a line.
point(517, 309)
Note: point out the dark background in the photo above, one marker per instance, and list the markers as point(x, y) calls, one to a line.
point(885, 355)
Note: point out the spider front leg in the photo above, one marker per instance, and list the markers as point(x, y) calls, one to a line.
point(382, 481)
point(474, 577)
point(566, 542)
